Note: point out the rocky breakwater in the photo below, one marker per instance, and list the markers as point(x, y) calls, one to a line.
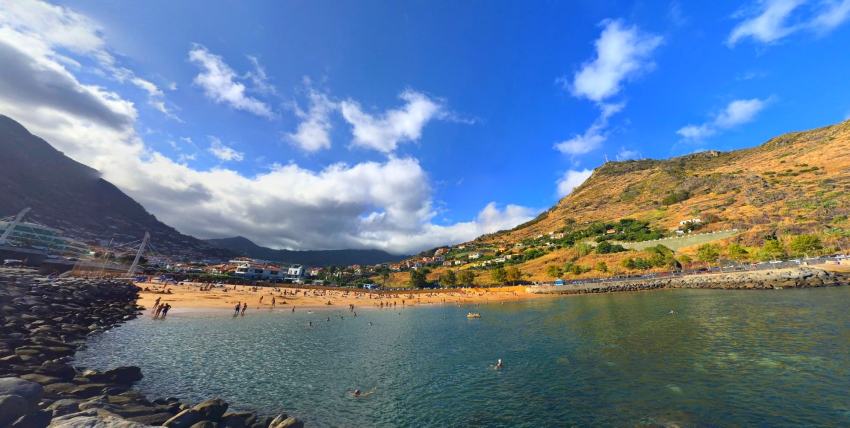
point(43, 322)
point(803, 277)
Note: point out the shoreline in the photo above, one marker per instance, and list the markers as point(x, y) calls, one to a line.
point(775, 279)
point(190, 298)
point(44, 322)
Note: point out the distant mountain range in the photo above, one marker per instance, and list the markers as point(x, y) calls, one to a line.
point(244, 246)
point(70, 196)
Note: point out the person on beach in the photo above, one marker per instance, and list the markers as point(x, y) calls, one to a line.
point(158, 310)
point(273, 301)
point(238, 306)
point(165, 310)
point(155, 304)
point(244, 307)
point(261, 299)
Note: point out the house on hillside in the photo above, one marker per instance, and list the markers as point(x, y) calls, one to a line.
point(692, 220)
point(473, 256)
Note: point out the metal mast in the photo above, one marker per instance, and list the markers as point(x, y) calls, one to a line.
point(13, 224)
point(145, 240)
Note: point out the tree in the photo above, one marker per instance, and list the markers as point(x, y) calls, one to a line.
point(448, 279)
point(418, 278)
point(498, 275)
point(837, 235)
point(773, 248)
point(583, 249)
point(806, 244)
point(685, 259)
point(602, 267)
point(554, 271)
point(384, 274)
point(737, 252)
point(708, 253)
point(466, 278)
point(513, 274)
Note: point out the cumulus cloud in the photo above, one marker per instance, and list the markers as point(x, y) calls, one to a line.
point(385, 131)
point(43, 31)
point(737, 113)
point(769, 21)
point(220, 83)
point(594, 136)
point(572, 179)
point(622, 53)
point(384, 205)
point(313, 133)
point(222, 152)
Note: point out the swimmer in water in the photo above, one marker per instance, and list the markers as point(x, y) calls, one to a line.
point(359, 394)
point(499, 365)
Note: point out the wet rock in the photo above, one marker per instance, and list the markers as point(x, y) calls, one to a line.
point(124, 375)
point(64, 407)
point(289, 422)
point(93, 420)
point(57, 369)
point(184, 419)
point(39, 419)
point(40, 379)
point(205, 424)
point(12, 407)
point(212, 409)
point(156, 419)
point(30, 391)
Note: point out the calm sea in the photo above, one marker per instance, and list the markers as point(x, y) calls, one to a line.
point(725, 358)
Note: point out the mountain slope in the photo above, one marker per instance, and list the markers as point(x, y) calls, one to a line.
point(310, 258)
point(68, 195)
point(794, 183)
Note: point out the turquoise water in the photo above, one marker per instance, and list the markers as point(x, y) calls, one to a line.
point(725, 358)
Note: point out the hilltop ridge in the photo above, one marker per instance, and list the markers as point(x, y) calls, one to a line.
point(790, 186)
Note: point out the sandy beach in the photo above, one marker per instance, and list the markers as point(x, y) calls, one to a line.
point(191, 296)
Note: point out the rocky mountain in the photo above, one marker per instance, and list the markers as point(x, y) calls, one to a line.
point(71, 196)
point(244, 246)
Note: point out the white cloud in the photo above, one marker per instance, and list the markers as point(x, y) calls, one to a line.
point(222, 152)
point(572, 179)
point(385, 132)
point(220, 84)
point(385, 205)
point(313, 131)
point(768, 21)
point(594, 136)
point(625, 154)
point(259, 79)
point(737, 113)
point(622, 53)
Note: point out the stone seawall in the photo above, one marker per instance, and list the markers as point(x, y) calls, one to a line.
point(42, 324)
point(804, 277)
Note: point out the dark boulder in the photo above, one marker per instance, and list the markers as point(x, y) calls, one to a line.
point(212, 409)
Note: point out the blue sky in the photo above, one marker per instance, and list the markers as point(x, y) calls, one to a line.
point(404, 125)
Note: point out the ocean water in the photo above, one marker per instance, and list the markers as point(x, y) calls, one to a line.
point(725, 358)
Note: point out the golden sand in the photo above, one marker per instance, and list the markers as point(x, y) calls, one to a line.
point(191, 296)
